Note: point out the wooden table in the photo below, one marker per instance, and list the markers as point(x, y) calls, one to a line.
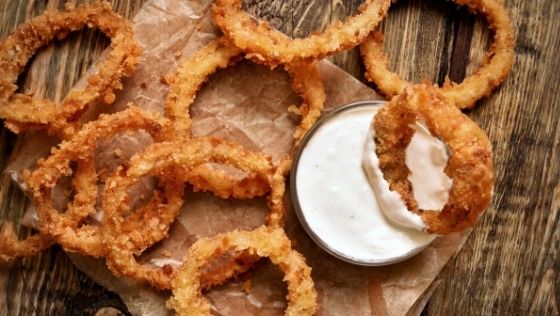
point(511, 262)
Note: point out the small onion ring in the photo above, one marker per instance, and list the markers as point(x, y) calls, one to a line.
point(22, 111)
point(64, 227)
point(476, 86)
point(187, 298)
point(272, 47)
point(470, 155)
point(179, 155)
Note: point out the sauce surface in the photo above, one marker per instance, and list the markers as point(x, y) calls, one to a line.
point(337, 201)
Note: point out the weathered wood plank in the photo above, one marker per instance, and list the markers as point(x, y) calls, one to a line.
point(511, 263)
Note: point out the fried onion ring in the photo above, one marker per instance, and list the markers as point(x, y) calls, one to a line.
point(220, 53)
point(272, 47)
point(23, 111)
point(179, 156)
point(11, 247)
point(68, 228)
point(470, 156)
point(187, 298)
point(476, 86)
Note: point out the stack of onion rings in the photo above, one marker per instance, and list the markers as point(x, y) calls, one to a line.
point(12, 248)
point(65, 227)
point(265, 242)
point(155, 160)
point(469, 165)
point(22, 112)
point(464, 95)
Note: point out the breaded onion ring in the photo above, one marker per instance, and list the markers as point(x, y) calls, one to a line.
point(470, 155)
point(23, 111)
point(67, 228)
point(11, 247)
point(187, 298)
point(179, 156)
point(272, 47)
point(476, 86)
point(219, 53)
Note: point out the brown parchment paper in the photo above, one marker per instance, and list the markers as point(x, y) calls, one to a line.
point(246, 103)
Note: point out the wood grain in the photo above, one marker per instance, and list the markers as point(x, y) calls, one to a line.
point(509, 265)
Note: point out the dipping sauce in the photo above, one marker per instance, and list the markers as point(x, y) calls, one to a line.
point(426, 158)
point(334, 200)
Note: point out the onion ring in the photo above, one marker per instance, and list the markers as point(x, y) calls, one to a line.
point(22, 111)
point(476, 86)
point(65, 227)
point(187, 298)
point(470, 160)
point(11, 247)
point(220, 53)
point(182, 156)
point(272, 47)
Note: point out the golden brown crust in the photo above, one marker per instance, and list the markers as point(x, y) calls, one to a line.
point(187, 298)
point(68, 228)
point(220, 53)
point(469, 165)
point(266, 45)
point(179, 156)
point(476, 86)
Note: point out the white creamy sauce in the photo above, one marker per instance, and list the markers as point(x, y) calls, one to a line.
point(160, 262)
point(337, 200)
point(426, 158)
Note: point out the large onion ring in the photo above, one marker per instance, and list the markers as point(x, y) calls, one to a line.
point(65, 227)
point(180, 156)
point(187, 298)
point(22, 111)
point(469, 165)
point(219, 53)
point(464, 95)
point(272, 47)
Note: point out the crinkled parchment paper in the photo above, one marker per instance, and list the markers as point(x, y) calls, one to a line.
point(246, 103)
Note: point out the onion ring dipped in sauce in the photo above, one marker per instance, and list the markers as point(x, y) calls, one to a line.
point(69, 228)
point(266, 45)
point(187, 298)
point(21, 111)
point(464, 95)
point(469, 165)
point(179, 156)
